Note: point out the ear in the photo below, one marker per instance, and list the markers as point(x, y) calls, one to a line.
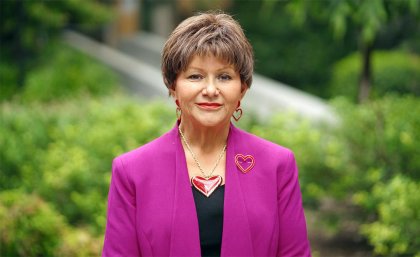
point(243, 90)
point(172, 93)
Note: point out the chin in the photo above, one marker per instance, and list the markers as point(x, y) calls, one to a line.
point(213, 122)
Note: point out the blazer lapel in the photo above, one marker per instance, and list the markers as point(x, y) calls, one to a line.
point(185, 237)
point(236, 239)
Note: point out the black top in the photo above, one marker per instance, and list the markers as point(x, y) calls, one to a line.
point(210, 220)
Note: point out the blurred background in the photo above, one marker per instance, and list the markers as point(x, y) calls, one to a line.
point(338, 82)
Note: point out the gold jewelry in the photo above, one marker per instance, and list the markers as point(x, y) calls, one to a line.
point(195, 158)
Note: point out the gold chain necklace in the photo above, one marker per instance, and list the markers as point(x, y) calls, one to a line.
point(195, 158)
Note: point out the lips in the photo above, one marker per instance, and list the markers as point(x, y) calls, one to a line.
point(209, 105)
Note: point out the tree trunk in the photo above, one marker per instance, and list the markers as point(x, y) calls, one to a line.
point(365, 82)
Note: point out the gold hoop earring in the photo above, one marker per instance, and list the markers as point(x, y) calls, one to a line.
point(178, 113)
point(237, 114)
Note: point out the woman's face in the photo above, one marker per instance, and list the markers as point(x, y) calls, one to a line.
point(208, 91)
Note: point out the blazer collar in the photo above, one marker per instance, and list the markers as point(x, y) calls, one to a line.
point(185, 238)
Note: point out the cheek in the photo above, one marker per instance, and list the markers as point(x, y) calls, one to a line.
point(236, 96)
point(233, 103)
point(185, 98)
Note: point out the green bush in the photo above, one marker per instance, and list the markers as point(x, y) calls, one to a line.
point(32, 227)
point(79, 243)
point(29, 226)
point(24, 136)
point(66, 74)
point(286, 52)
point(397, 228)
point(380, 139)
point(381, 145)
point(393, 71)
point(8, 78)
point(64, 151)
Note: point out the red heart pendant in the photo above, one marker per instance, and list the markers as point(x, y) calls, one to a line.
point(206, 185)
point(244, 163)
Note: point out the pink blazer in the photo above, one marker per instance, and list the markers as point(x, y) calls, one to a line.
point(151, 209)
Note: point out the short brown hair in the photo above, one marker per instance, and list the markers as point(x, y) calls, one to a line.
point(207, 33)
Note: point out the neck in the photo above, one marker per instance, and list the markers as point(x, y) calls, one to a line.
point(207, 139)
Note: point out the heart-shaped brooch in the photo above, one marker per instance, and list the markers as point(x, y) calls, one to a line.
point(244, 162)
point(206, 185)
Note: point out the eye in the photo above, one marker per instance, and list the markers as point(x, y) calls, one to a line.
point(225, 77)
point(195, 77)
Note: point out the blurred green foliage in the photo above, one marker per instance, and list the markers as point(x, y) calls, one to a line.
point(297, 42)
point(33, 227)
point(381, 143)
point(397, 226)
point(30, 226)
point(368, 18)
point(394, 72)
point(62, 73)
point(27, 29)
point(381, 135)
point(8, 78)
point(68, 74)
point(299, 56)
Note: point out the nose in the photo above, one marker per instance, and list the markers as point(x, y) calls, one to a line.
point(210, 89)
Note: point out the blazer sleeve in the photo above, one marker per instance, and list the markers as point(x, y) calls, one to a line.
point(293, 239)
point(120, 233)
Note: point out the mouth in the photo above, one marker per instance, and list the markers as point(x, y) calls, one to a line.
point(209, 106)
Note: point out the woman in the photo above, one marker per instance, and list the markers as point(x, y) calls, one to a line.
point(205, 187)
